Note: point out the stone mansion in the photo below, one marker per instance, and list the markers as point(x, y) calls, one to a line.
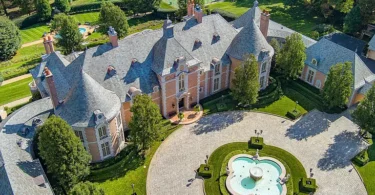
point(176, 66)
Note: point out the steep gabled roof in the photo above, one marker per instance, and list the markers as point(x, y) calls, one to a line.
point(84, 98)
point(249, 40)
point(252, 14)
point(371, 44)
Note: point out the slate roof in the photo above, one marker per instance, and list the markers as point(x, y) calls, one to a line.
point(84, 98)
point(328, 53)
point(249, 40)
point(371, 44)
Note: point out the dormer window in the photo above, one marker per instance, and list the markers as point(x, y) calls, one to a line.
point(111, 70)
point(217, 69)
point(181, 82)
point(314, 62)
point(134, 60)
point(264, 67)
point(102, 132)
point(197, 43)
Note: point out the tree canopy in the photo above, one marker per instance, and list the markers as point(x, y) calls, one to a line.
point(86, 188)
point(57, 21)
point(292, 56)
point(364, 114)
point(246, 81)
point(146, 121)
point(276, 47)
point(43, 9)
point(338, 86)
point(63, 152)
point(367, 8)
point(26, 6)
point(71, 38)
point(353, 21)
point(112, 15)
point(10, 38)
point(62, 5)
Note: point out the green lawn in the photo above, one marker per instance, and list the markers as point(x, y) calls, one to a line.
point(33, 33)
point(91, 17)
point(220, 157)
point(281, 107)
point(132, 169)
point(15, 91)
point(368, 171)
point(294, 18)
point(174, 2)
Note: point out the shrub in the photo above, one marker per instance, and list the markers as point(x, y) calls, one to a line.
point(307, 185)
point(26, 21)
point(221, 107)
point(181, 116)
point(94, 6)
point(361, 159)
point(315, 35)
point(205, 171)
point(225, 14)
point(256, 142)
point(197, 108)
point(1, 78)
point(10, 38)
point(294, 114)
point(324, 28)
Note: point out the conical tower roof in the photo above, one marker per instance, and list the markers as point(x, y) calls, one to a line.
point(85, 97)
point(249, 40)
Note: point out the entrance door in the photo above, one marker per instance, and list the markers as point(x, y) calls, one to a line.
point(181, 103)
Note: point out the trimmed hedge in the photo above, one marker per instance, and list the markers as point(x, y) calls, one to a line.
point(256, 142)
point(361, 159)
point(307, 185)
point(205, 171)
point(94, 6)
point(294, 114)
point(111, 161)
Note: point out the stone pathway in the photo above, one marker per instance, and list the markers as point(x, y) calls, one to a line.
point(12, 80)
point(32, 43)
point(323, 142)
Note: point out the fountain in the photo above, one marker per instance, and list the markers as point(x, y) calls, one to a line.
point(256, 173)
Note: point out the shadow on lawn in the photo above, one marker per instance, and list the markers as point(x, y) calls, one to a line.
point(217, 122)
point(346, 145)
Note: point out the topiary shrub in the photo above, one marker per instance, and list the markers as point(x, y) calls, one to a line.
point(181, 116)
point(361, 159)
point(294, 114)
point(307, 185)
point(10, 38)
point(205, 171)
point(256, 142)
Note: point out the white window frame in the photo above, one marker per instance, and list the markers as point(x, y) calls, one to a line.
point(314, 62)
point(313, 76)
point(106, 149)
point(181, 82)
point(263, 67)
point(217, 79)
point(79, 134)
point(261, 82)
point(217, 69)
point(318, 84)
point(119, 120)
point(101, 130)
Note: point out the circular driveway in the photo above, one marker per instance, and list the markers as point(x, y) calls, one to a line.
point(323, 142)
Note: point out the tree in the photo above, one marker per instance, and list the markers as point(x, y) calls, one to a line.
point(315, 35)
point(71, 38)
point(10, 38)
point(146, 121)
point(364, 114)
point(62, 5)
point(246, 81)
point(353, 21)
point(43, 9)
point(276, 47)
point(293, 3)
point(4, 7)
point(292, 56)
point(63, 152)
point(26, 6)
point(57, 21)
point(338, 86)
point(367, 8)
point(111, 15)
point(182, 8)
point(343, 6)
point(86, 188)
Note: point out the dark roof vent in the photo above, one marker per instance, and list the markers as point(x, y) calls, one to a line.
point(111, 70)
point(197, 44)
point(216, 36)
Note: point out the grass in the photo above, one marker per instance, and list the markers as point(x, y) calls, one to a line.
point(282, 106)
point(117, 178)
point(175, 4)
point(367, 172)
point(33, 33)
point(295, 18)
point(221, 156)
point(91, 17)
point(15, 91)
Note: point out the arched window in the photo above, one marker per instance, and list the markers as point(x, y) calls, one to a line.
point(314, 62)
point(264, 67)
point(318, 84)
point(181, 82)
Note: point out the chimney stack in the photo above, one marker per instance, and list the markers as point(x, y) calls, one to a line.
point(198, 13)
point(113, 36)
point(48, 44)
point(51, 87)
point(168, 28)
point(190, 8)
point(264, 22)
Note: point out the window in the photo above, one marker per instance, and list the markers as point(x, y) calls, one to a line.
point(79, 135)
point(217, 69)
point(200, 89)
point(318, 84)
point(105, 149)
point(314, 62)
point(119, 121)
point(264, 67)
point(310, 76)
point(262, 82)
point(216, 84)
point(181, 83)
point(102, 132)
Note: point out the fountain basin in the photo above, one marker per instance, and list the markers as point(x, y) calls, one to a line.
point(256, 173)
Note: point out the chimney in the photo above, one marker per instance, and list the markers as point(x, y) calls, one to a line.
point(198, 14)
point(264, 22)
point(168, 29)
point(46, 46)
point(50, 44)
point(51, 87)
point(113, 36)
point(190, 8)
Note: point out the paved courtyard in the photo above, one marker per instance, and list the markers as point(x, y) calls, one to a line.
point(323, 142)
